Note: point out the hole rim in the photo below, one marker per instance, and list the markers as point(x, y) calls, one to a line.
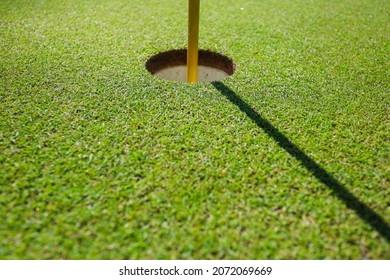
point(178, 57)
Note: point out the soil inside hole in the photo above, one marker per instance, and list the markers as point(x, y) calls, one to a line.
point(172, 65)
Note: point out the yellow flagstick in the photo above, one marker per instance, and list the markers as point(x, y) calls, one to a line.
point(193, 37)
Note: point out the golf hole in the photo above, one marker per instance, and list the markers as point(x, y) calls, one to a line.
point(172, 66)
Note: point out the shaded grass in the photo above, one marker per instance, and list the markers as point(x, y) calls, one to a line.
point(101, 160)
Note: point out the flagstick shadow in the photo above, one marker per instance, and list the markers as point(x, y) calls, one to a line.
point(362, 210)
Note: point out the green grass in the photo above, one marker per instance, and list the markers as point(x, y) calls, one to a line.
point(101, 160)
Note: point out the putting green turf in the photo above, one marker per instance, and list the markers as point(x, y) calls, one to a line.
point(101, 160)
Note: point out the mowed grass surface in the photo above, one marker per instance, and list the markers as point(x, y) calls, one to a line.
point(101, 160)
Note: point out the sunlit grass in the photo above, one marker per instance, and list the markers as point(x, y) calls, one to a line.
point(101, 160)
